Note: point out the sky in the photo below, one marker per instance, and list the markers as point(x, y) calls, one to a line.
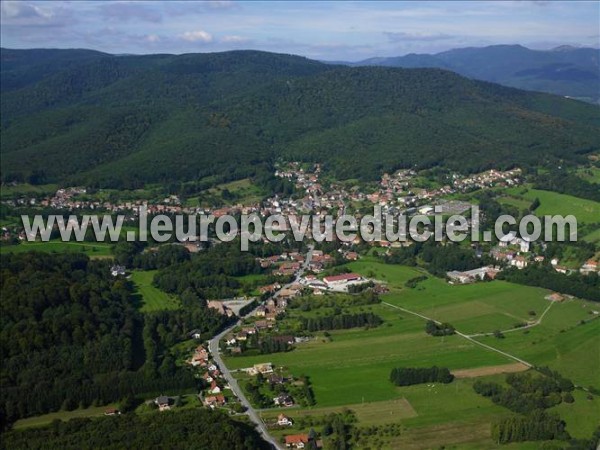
point(348, 31)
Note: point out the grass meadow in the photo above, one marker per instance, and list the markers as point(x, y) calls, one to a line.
point(92, 249)
point(152, 298)
point(350, 369)
point(586, 211)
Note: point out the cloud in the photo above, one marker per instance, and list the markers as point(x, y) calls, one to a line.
point(196, 36)
point(125, 12)
point(233, 39)
point(26, 14)
point(416, 37)
point(19, 10)
point(152, 38)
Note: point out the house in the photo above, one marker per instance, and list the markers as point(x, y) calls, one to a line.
point(590, 266)
point(112, 412)
point(215, 400)
point(262, 324)
point(561, 269)
point(263, 368)
point(275, 379)
point(519, 262)
point(117, 270)
point(214, 388)
point(555, 297)
point(351, 256)
point(296, 440)
point(220, 308)
point(195, 334)
point(288, 293)
point(283, 400)
point(284, 421)
point(459, 277)
point(163, 402)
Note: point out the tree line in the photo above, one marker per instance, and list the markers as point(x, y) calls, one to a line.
point(576, 284)
point(340, 322)
point(172, 429)
point(407, 376)
point(441, 329)
point(527, 392)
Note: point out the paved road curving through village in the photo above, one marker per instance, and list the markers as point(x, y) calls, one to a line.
point(213, 347)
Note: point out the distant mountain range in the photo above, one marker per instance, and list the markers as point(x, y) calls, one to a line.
point(85, 117)
point(565, 70)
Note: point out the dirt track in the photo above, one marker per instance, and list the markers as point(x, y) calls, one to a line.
point(490, 370)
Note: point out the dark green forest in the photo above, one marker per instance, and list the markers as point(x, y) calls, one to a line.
point(576, 284)
point(124, 121)
point(72, 336)
point(182, 429)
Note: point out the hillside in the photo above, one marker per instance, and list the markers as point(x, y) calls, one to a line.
point(124, 121)
point(567, 71)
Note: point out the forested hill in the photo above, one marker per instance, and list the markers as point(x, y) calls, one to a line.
point(565, 70)
point(123, 121)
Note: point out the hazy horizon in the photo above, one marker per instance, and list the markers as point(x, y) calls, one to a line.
point(347, 31)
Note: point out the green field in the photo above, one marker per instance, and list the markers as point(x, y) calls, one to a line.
point(152, 298)
point(10, 191)
point(351, 369)
point(239, 191)
point(586, 211)
point(559, 341)
point(46, 419)
point(594, 236)
point(355, 366)
point(590, 174)
point(92, 249)
point(473, 308)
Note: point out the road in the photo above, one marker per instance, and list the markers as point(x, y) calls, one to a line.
point(213, 347)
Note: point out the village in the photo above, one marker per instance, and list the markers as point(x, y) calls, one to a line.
point(397, 193)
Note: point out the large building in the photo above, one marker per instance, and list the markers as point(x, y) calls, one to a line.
point(340, 280)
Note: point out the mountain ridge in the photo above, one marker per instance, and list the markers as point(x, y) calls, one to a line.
point(124, 121)
point(564, 70)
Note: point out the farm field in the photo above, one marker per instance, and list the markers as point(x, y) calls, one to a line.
point(92, 249)
point(559, 341)
point(586, 211)
point(395, 276)
point(581, 416)
point(473, 308)
point(355, 365)
point(152, 299)
point(351, 370)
